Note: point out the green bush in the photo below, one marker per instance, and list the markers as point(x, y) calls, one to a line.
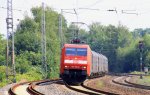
point(3, 83)
point(137, 72)
point(32, 74)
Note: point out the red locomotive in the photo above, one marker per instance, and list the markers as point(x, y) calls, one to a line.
point(78, 62)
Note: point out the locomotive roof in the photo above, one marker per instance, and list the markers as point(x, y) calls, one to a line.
point(77, 45)
point(99, 54)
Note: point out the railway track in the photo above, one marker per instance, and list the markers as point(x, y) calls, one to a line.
point(29, 87)
point(124, 80)
point(12, 89)
point(32, 91)
point(88, 90)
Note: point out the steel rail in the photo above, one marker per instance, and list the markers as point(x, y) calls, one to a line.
point(137, 85)
point(79, 90)
point(93, 91)
point(99, 91)
point(31, 89)
point(31, 86)
point(11, 90)
point(131, 84)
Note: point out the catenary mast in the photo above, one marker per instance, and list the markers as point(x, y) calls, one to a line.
point(10, 54)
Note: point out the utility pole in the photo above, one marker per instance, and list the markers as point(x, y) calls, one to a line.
point(10, 42)
point(141, 51)
point(44, 58)
point(60, 29)
point(60, 24)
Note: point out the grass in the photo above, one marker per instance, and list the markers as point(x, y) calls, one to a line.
point(100, 84)
point(31, 75)
point(3, 83)
point(137, 72)
point(144, 81)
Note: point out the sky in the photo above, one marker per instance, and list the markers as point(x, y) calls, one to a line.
point(131, 13)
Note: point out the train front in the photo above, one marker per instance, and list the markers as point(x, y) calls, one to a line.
point(74, 63)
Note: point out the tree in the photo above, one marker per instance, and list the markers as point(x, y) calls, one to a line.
point(27, 36)
point(23, 65)
point(114, 42)
point(52, 35)
point(28, 41)
point(140, 32)
point(2, 50)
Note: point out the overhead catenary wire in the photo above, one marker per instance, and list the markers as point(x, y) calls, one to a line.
point(93, 4)
point(12, 9)
point(129, 12)
point(20, 11)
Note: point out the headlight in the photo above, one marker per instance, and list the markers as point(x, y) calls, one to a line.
point(66, 66)
point(84, 67)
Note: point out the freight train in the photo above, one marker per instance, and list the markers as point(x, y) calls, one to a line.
point(79, 62)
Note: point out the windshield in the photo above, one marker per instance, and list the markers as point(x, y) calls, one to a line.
point(76, 51)
point(70, 51)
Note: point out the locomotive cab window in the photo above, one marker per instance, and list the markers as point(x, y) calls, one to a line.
point(76, 51)
point(81, 52)
point(71, 51)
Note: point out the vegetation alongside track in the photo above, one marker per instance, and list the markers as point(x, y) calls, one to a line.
point(144, 81)
point(116, 42)
point(100, 84)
